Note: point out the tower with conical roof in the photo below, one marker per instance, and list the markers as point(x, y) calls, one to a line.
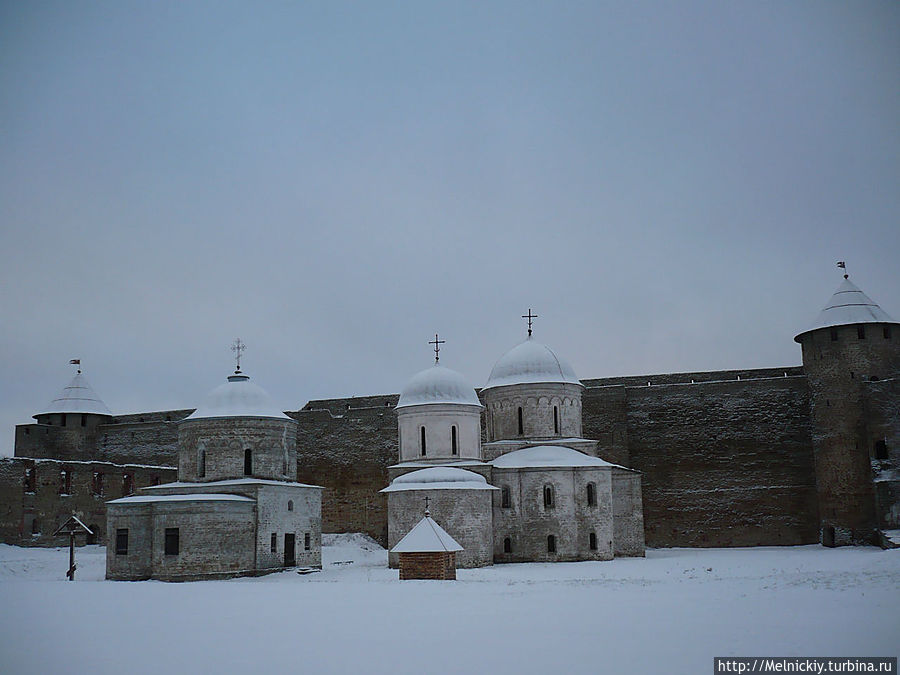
point(850, 352)
point(71, 419)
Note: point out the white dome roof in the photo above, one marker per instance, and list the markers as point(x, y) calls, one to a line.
point(238, 398)
point(77, 397)
point(848, 306)
point(437, 385)
point(530, 362)
point(547, 455)
point(439, 478)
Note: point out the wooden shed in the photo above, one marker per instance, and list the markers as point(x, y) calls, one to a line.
point(427, 552)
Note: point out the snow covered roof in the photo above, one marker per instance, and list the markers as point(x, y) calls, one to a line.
point(208, 497)
point(439, 478)
point(848, 306)
point(238, 397)
point(437, 385)
point(549, 456)
point(77, 397)
point(530, 362)
point(427, 537)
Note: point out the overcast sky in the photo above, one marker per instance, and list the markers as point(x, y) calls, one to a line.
point(667, 185)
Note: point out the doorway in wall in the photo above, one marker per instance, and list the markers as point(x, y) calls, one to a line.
point(290, 557)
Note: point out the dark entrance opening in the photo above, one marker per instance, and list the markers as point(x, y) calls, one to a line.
point(828, 536)
point(290, 557)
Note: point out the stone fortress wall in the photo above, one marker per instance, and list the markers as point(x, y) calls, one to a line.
point(726, 456)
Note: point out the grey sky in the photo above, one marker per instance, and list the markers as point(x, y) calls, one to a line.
point(668, 185)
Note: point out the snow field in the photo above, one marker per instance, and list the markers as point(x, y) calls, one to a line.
point(670, 612)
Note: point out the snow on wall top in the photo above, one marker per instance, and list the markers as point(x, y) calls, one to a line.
point(231, 481)
point(530, 362)
point(547, 456)
point(77, 397)
point(437, 385)
point(208, 497)
point(439, 478)
point(848, 306)
point(427, 537)
point(237, 398)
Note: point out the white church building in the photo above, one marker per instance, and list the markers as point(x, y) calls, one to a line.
point(534, 491)
point(236, 508)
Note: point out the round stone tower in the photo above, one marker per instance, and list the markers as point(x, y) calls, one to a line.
point(852, 344)
point(237, 433)
point(76, 407)
point(439, 418)
point(532, 394)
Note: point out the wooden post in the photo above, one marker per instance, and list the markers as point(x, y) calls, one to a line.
point(72, 527)
point(71, 572)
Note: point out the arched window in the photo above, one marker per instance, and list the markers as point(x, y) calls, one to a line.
point(507, 545)
point(593, 541)
point(555, 419)
point(521, 422)
point(290, 504)
point(35, 526)
point(248, 462)
point(504, 497)
point(548, 496)
point(201, 464)
point(65, 482)
point(422, 440)
point(591, 494)
point(551, 544)
point(454, 449)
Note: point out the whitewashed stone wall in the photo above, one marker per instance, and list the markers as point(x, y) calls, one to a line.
point(537, 402)
point(437, 419)
point(528, 522)
point(275, 517)
point(464, 514)
point(273, 443)
point(628, 513)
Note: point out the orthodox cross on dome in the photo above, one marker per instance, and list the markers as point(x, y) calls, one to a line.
point(437, 347)
point(76, 362)
point(529, 316)
point(427, 512)
point(843, 266)
point(238, 348)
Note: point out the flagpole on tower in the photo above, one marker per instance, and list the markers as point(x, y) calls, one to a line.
point(843, 265)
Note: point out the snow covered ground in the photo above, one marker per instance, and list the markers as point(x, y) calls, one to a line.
point(671, 612)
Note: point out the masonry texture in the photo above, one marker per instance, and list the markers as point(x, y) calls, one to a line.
point(726, 457)
point(441, 566)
